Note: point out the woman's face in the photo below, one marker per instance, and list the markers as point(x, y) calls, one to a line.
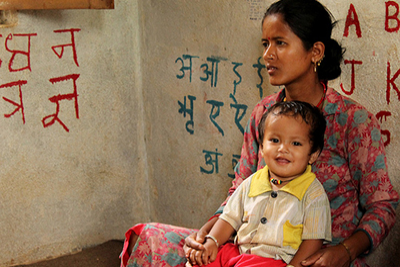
point(287, 61)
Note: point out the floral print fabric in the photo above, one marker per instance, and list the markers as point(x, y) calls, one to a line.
point(157, 245)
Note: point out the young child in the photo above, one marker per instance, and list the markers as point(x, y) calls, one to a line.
point(280, 214)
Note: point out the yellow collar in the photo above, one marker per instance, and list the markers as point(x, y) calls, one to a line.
point(260, 183)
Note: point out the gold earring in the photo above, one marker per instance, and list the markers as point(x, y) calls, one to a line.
point(318, 63)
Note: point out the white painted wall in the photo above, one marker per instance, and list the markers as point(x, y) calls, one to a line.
point(128, 158)
point(61, 191)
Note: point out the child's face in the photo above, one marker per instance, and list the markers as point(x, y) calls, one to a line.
point(286, 147)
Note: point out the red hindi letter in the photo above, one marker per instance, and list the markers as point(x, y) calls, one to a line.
point(72, 44)
point(19, 106)
point(20, 52)
point(380, 116)
point(56, 99)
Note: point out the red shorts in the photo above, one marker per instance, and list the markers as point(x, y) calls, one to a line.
point(229, 256)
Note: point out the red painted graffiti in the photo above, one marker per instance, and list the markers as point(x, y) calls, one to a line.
point(72, 44)
point(352, 19)
point(16, 52)
point(390, 83)
point(392, 17)
point(20, 105)
point(353, 83)
point(382, 115)
point(57, 98)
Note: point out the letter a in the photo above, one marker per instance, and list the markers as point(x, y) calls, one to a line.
point(352, 19)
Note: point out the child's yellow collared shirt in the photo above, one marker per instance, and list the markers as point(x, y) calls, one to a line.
point(273, 224)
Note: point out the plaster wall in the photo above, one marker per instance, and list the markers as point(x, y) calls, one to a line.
point(65, 188)
point(165, 89)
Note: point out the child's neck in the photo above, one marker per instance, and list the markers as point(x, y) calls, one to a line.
point(277, 183)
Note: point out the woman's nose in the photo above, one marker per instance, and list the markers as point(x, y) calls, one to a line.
point(268, 53)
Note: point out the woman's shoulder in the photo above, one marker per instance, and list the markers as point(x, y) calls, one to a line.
point(343, 105)
point(265, 103)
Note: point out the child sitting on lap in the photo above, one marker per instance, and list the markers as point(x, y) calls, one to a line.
point(281, 214)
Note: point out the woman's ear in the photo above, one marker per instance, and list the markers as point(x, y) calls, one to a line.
point(314, 156)
point(318, 51)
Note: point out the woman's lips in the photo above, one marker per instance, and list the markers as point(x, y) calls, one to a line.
point(271, 70)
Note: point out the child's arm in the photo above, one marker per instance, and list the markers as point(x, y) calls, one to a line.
point(306, 249)
point(219, 235)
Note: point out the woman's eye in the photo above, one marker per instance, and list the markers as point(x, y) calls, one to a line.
point(280, 42)
point(265, 44)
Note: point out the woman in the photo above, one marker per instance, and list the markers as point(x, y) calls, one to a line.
point(301, 55)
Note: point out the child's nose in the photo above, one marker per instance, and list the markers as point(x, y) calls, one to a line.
point(283, 148)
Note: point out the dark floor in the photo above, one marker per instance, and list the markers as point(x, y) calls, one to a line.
point(104, 255)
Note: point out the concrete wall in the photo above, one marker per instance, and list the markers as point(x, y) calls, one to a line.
point(155, 138)
point(63, 190)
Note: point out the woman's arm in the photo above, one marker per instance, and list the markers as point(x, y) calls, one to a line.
point(368, 168)
point(340, 255)
point(376, 196)
point(196, 240)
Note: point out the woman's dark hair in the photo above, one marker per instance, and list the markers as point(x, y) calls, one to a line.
point(310, 114)
point(312, 22)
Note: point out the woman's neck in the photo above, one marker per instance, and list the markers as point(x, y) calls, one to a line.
point(311, 93)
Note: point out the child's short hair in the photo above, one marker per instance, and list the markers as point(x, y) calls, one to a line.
point(310, 114)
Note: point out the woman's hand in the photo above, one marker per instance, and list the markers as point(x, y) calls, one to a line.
point(194, 248)
point(335, 256)
point(195, 257)
point(202, 257)
point(194, 242)
point(339, 255)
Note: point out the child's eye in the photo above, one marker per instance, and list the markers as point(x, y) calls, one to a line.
point(296, 143)
point(274, 140)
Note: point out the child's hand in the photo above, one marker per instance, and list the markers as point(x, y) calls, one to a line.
point(210, 252)
point(194, 257)
point(202, 257)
